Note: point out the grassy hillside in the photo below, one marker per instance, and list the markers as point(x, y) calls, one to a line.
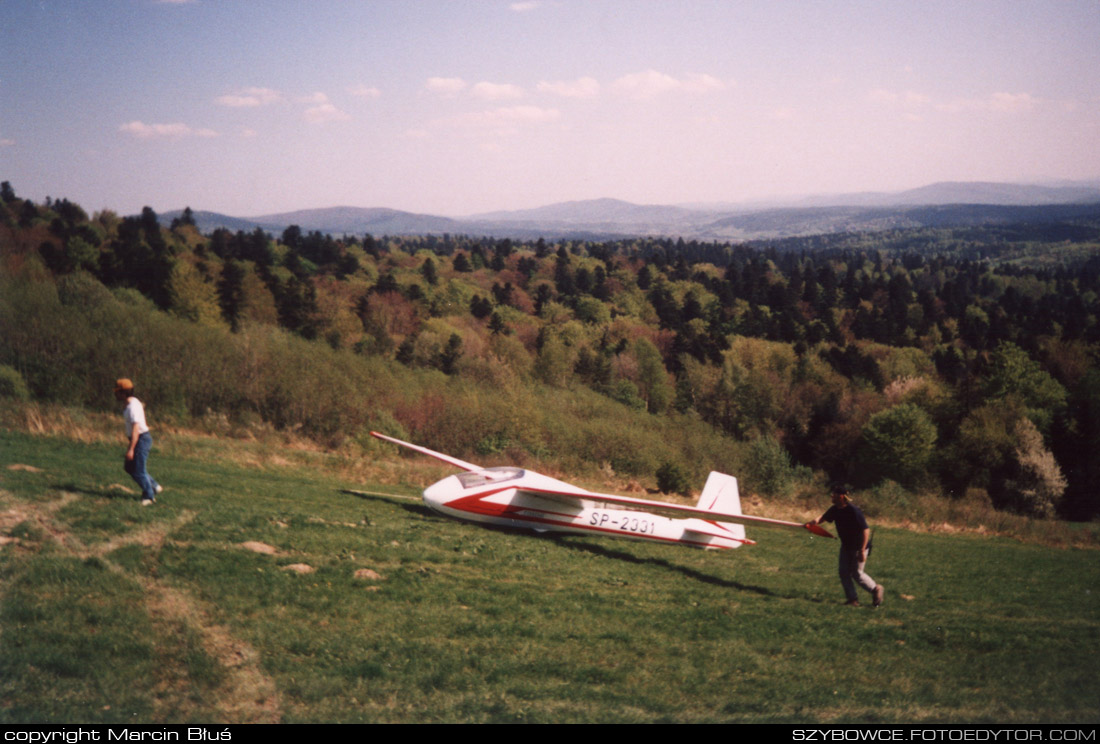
point(110, 612)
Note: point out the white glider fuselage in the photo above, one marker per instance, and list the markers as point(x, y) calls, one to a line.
point(514, 497)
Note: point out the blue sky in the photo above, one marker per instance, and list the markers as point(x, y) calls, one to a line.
point(462, 106)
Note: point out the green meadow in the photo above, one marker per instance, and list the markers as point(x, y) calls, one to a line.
point(283, 586)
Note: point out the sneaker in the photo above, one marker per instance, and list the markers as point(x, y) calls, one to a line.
point(877, 595)
point(148, 502)
point(159, 489)
point(852, 603)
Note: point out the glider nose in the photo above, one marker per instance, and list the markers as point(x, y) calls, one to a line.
point(439, 493)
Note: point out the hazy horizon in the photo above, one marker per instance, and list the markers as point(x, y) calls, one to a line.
point(455, 109)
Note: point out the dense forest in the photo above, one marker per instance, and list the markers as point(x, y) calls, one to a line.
point(962, 361)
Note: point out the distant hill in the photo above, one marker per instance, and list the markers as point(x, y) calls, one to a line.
point(333, 220)
point(811, 221)
point(947, 192)
point(939, 205)
point(592, 211)
point(377, 221)
point(1002, 194)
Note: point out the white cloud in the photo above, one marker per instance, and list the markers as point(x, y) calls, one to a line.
point(506, 120)
point(650, 83)
point(176, 130)
point(317, 98)
point(250, 97)
point(246, 132)
point(325, 112)
point(584, 87)
point(701, 83)
point(522, 7)
point(1011, 102)
point(445, 86)
point(497, 91)
point(5, 142)
point(909, 99)
point(999, 102)
point(364, 91)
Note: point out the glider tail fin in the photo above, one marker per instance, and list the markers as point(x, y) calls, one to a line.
point(720, 494)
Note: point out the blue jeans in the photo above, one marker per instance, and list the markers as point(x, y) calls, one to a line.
point(136, 467)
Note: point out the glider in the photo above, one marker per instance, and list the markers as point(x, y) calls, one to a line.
point(520, 498)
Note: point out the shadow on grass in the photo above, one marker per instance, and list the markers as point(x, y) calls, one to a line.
point(417, 508)
point(102, 493)
point(577, 543)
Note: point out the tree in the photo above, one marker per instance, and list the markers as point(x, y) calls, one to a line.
point(192, 297)
point(450, 355)
point(230, 290)
point(1013, 374)
point(553, 364)
point(428, 271)
point(898, 444)
point(257, 304)
point(497, 324)
point(186, 218)
point(480, 307)
point(1037, 486)
point(292, 237)
point(653, 385)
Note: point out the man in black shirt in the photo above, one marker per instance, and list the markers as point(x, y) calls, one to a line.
point(855, 544)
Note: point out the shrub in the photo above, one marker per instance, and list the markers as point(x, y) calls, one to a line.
point(768, 467)
point(898, 443)
point(672, 479)
point(1039, 484)
point(12, 384)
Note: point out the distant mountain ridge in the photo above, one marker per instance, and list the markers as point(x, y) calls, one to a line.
point(941, 204)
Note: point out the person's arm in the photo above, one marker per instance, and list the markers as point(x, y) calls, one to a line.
point(133, 442)
point(135, 428)
point(863, 547)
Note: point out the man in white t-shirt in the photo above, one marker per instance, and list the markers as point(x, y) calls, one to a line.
point(140, 442)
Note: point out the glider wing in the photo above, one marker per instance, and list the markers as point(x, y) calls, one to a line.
point(677, 510)
point(430, 453)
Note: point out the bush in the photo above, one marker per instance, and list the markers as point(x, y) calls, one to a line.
point(768, 467)
point(672, 479)
point(12, 384)
point(898, 444)
point(887, 497)
point(1039, 483)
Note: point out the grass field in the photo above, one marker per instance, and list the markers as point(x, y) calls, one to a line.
point(110, 612)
